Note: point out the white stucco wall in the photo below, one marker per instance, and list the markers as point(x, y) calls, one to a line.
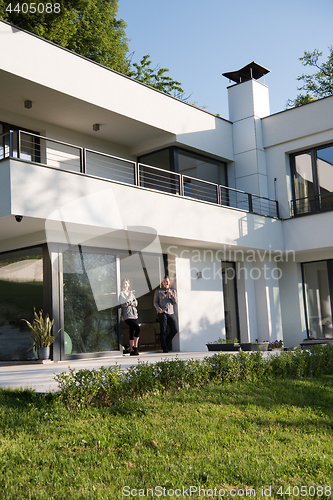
point(200, 303)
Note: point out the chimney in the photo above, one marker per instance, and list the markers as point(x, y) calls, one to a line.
point(248, 103)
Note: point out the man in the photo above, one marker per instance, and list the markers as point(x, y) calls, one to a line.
point(164, 300)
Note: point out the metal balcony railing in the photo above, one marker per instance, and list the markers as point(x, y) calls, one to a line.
point(311, 204)
point(159, 179)
point(64, 156)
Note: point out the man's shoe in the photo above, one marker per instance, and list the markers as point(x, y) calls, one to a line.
point(135, 352)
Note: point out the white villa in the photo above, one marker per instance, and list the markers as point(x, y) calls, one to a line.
point(103, 178)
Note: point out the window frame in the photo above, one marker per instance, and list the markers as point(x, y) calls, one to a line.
point(315, 178)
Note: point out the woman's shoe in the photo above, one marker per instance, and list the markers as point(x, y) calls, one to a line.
point(135, 352)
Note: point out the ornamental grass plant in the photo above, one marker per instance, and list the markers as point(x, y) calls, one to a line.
point(41, 330)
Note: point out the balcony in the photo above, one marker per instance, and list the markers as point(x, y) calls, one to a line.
point(52, 153)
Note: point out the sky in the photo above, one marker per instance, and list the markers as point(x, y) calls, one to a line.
point(199, 40)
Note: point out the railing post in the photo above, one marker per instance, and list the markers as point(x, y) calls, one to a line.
point(18, 143)
point(83, 160)
point(136, 174)
point(11, 143)
point(218, 193)
point(277, 209)
point(250, 202)
point(181, 185)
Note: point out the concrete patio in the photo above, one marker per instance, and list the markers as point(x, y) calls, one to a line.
point(40, 377)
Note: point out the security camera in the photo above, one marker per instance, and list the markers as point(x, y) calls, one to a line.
point(18, 218)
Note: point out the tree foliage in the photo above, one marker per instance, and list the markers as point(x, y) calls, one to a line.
point(155, 77)
point(87, 27)
point(90, 28)
point(318, 84)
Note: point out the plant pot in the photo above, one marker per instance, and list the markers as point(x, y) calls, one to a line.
point(43, 353)
point(254, 346)
point(223, 347)
point(246, 346)
point(263, 346)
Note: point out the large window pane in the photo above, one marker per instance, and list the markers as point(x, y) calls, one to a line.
point(303, 182)
point(325, 176)
point(21, 290)
point(317, 299)
point(159, 159)
point(201, 167)
point(90, 302)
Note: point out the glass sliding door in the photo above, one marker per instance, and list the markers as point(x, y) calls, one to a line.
point(90, 302)
point(230, 300)
point(145, 272)
point(318, 299)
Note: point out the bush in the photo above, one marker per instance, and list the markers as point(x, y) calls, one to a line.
point(108, 386)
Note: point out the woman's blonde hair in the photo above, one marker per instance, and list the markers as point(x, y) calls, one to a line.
point(123, 283)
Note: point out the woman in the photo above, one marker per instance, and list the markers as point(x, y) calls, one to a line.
point(129, 311)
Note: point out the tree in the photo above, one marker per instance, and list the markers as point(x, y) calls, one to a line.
point(317, 85)
point(87, 27)
point(156, 77)
point(90, 28)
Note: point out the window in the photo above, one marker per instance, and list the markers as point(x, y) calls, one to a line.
point(317, 284)
point(194, 168)
point(312, 175)
point(21, 290)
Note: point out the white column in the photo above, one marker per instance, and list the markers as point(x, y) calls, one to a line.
point(292, 304)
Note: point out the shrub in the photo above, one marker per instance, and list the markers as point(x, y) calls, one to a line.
point(111, 385)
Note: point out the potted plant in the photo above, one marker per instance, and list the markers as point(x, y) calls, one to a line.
point(275, 346)
point(40, 334)
point(223, 345)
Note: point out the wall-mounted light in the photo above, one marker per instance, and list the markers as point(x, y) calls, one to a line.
point(28, 104)
point(96, 127)
point(18, 218)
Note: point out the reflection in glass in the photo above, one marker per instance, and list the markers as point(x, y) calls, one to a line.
point(90, 302)
point(317, 298)
point(21, 290)
point(325, 176)
point(303, 181)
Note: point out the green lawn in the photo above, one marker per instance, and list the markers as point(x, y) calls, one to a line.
point(275, 434)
